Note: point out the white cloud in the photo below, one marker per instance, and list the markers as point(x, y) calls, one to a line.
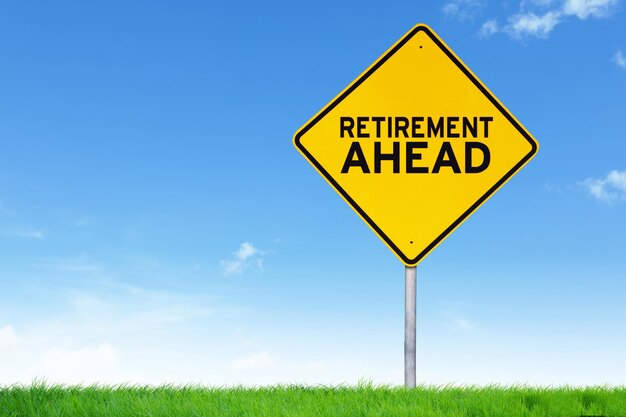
point(554, 188)
point(462, 9)
point(9, 341)
point(529, 23)
point(585, 8)
point(489, 28)
point(80, 265)
point(126, 309)
point(24, 361)
point(260, 360)
point(243, 258)
point(541, 3)
point(82, 352)
point(455, 321)
point(246, 250)
point(83, 336)
point(620, 59)
point(82, 222)
point(608, 190)
point(10, 226)
point(25, 233)
point(4, 211)
point(463, 323)
point(82, 365)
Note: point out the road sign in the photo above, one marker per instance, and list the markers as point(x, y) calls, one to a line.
point(415, 144)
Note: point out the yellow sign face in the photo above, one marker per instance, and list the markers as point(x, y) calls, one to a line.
point(415, 144)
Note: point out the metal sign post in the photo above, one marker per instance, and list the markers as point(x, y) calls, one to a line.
point(410, 298)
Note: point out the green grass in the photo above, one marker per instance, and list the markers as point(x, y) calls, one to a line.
point(40, 400)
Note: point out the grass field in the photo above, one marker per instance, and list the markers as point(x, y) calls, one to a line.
point(366, 400)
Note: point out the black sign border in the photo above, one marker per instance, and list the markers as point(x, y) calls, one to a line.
point(356, 84)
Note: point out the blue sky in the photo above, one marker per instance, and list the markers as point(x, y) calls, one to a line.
point(157, 224)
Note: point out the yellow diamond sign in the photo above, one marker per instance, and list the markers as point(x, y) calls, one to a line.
point(415, 144)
